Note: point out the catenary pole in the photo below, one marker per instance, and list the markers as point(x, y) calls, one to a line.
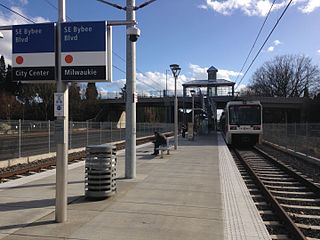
point(61, 130)
point(130, 157)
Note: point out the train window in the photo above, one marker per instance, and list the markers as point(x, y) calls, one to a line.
point(244, 115)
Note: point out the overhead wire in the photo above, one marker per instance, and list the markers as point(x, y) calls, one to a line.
point(119, 69)
point(49, 3)
point(264, 43)
point(137, 71)
point(17, 13)
point(116, 54)
point(55, 7)
point(255, 41)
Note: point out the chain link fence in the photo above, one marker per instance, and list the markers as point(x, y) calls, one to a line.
point(299, 137)
point(27, 138)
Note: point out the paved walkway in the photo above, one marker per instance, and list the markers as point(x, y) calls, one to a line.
point(185, 196)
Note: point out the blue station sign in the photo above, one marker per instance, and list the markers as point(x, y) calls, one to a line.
point(83, 51)
point(33, 52)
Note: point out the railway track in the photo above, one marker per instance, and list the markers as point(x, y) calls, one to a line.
point(289, 203)
point(21, 170)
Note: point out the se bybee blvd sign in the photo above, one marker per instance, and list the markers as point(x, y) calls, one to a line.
point(83, 36)
point(33, 52)
point(83, 52)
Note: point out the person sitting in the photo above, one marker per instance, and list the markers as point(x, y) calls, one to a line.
point(159, 140)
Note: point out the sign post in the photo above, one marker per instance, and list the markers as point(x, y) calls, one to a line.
point(61, 53)
point(61, 131)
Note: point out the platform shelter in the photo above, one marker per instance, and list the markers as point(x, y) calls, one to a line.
point(211, 93)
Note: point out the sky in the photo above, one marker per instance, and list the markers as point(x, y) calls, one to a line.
point(195, 34)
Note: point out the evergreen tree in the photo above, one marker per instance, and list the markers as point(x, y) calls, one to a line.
point(91, 104)
point(3, 70)
point(10, 86)
point(91, 91)
point(75, 103)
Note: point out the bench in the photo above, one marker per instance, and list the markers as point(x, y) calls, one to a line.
point(163, 148)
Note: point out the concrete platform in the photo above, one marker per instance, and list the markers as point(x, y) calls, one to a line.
point(195, 192)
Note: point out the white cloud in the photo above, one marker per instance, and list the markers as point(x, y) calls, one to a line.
point(276, 42)
point(240, 87)
point(318, 51)
point(12, 19)
point(110, 90)
point(198, 72)
point(270, 49)
point(256, 7)
point(227, 74)
point(201, 72)
point(153, 83)
point(310, 6)
point(24, 2)
point(203, 6)
point(248, 7)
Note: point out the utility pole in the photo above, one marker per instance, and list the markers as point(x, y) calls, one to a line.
point(61, 130)
point(132, 35)
point(131, 133)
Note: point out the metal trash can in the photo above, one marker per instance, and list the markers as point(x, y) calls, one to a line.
point(100, 171)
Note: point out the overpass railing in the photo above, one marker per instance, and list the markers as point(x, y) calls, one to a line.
point(27, 138)
point(300, 137)
point(144, 94)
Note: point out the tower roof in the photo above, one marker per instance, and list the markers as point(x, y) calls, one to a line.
point(212, 69)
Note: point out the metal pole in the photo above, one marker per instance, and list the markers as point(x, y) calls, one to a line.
point(166, 83)
point(49, 143)
point(87, 132)
point(175, 114)
point(62, 137)
point(20, 138)
point(130, 159)
point(111, 132)
point(70, 132)
point(192, 116)
point(100, 132)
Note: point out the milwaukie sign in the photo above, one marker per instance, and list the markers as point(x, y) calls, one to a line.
point(33, 52)
point(83, 51)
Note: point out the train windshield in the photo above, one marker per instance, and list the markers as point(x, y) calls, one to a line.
point(245, 115)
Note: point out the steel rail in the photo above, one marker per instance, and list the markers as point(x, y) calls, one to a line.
point(294, 174)
point(294, 231)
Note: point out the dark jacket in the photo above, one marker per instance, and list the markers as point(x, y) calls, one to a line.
point(160, 139)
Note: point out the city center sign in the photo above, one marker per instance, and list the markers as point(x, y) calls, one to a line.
point(33, 52)
point(83, 52)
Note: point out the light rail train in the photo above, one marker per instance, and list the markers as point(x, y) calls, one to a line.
point(241, 123)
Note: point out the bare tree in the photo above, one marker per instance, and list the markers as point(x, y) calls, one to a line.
point(286, 76)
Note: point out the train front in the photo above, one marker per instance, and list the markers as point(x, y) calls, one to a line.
point(245, 123)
